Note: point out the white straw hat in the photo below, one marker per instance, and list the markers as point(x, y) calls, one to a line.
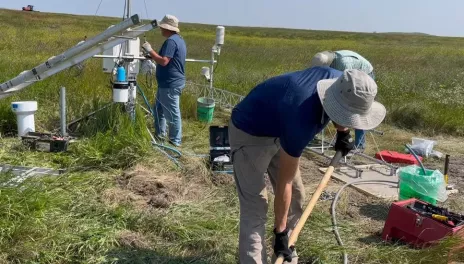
point(324, 58)
point(349, 100)
point(169, 22)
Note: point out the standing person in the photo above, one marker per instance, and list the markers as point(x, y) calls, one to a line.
point(344, 60)
point(170, 74)
point(268, 131)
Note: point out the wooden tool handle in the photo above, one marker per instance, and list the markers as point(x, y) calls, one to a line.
point(446, 168)
point(325, 180)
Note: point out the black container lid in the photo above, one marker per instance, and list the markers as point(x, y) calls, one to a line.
point(120, 85)
point(219, 136)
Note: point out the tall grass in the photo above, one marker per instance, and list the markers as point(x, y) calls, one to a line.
point(116, 141)
point(64, 220)
point(57, 220)
point(415, 73)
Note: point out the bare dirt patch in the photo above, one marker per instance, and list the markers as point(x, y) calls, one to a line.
point(131, 239)
point(160, 190)
point(222, 179)
point(143, 188)
point(114, 197)
point(456, 170)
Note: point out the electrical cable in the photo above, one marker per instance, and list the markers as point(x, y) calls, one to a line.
point(125, 7)
point(334, 206)
point(417, 158)
point(98, 8)
point(145, 100)
point(146, 9)
point(163, 147)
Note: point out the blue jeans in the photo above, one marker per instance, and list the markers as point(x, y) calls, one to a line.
point(360, 139)
point(167, 110)
point(360, 135)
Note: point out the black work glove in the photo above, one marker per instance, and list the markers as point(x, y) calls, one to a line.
point(281, 245)
point(344, 142)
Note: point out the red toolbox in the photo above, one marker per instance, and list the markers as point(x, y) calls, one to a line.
point(396, 157)
point(408, 223)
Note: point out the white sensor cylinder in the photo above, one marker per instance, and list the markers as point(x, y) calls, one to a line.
point(220, 33)
point(120, 92)
point(25, 116)
point(205, 72)
point(120, 95)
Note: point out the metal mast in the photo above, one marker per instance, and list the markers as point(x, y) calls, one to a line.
point(128, 4)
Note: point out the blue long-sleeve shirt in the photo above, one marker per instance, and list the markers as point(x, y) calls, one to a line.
point(287, 107)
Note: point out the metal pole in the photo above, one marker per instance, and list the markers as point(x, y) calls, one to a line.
point(131, 102)
point(322, 146)
point(212, 74)
point(63, 111)
point(128, 8)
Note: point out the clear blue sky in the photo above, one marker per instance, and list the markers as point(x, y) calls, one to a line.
point(438, 17)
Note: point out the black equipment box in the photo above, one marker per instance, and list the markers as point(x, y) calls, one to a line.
point(45, 142)
point(219, 154)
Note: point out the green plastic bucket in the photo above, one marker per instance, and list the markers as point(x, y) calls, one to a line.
point(414, 184)
point(205, 109)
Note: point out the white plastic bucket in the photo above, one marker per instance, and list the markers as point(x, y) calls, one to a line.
point(25, 116)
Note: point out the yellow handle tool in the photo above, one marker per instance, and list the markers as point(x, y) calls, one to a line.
point(440, 217)
point(312, 203)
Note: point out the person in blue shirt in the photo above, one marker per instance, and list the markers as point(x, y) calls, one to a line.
point(170, 75)
point(269, 130)
point(343, 60)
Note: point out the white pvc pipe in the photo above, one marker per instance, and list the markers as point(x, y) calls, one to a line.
point(144, 58)
point(211, 74)
point(203, 61)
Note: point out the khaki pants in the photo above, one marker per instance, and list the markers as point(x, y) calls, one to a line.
point(252, 157)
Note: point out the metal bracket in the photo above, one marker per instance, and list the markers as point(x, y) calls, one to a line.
point(419, 220)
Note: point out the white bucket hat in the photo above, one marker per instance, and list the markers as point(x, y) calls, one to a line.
point(324, 58)
point(349, 100)
point(169, 22)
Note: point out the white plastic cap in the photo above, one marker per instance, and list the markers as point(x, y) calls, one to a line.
point(25, 106)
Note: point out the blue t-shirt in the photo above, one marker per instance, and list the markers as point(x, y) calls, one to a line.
point(287, 107)
point(173, 74)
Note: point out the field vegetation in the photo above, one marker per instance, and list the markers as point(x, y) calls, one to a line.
point(123, 201)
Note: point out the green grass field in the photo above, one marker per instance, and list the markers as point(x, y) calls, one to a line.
point(101, 213)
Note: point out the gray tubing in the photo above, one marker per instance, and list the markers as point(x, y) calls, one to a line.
point(334, 206)
point(417, 158)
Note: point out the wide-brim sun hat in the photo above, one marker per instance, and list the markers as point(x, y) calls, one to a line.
point(169, 22)
point(349, 100)
point(323, 58)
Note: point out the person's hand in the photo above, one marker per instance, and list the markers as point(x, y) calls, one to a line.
point(147, 47)
point(281, 245)
point(344, 142)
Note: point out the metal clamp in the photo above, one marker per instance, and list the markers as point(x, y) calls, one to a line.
point(419, 220)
